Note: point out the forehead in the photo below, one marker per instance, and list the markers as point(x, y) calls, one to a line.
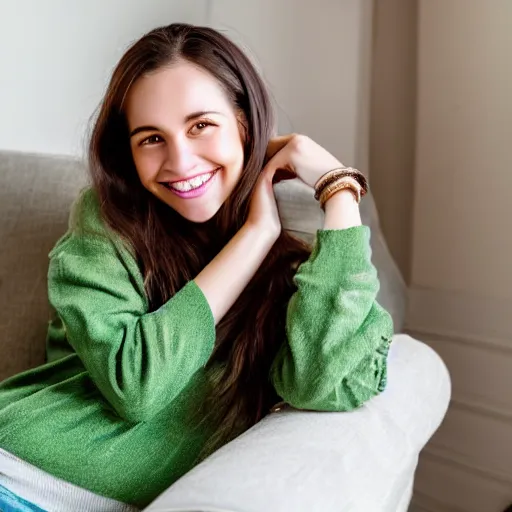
point(173, 92)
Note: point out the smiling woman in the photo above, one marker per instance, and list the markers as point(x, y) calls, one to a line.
point(186, 139)
point(184, 312)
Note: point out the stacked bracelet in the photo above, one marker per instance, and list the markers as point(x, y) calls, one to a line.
point(339, 179)
point(345, 183)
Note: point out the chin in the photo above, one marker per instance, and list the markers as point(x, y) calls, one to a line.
point(199, 217)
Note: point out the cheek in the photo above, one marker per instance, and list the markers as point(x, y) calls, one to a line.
point(227, 148)
point(147, 164)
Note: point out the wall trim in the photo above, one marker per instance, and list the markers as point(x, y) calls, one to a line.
point(445, 456)
point(461, 317)
point(484, 343)
point(495, 411)
point(424, 503)
point(485, 406)
point(479, 322)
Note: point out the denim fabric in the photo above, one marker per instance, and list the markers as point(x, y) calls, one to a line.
point(10, 502)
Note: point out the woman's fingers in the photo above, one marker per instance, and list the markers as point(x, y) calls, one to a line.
point(279, 168)
point(277, 143)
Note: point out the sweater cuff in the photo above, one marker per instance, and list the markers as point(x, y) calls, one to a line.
point(349, 248)
point(191, 306)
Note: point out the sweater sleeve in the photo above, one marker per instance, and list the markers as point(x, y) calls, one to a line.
point(139, 360)
point(338, 336)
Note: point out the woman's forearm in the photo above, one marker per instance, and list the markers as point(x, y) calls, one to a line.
point(337, 334)
point(223, 280)
point(342, 211)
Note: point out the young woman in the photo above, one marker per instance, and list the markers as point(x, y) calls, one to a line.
point(184, 311)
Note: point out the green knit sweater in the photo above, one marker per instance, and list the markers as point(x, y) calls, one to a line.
point(110, 410)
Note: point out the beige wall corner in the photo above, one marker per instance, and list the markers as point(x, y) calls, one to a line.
point(461, 281)
point(392, 125)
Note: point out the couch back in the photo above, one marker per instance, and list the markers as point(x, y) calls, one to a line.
point(36, 192)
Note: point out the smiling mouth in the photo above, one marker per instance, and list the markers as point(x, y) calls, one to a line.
point(191, 184)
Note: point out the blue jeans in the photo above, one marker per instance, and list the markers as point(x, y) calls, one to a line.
point(10, 502)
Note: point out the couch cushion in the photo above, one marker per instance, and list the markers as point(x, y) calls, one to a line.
point(358, 461)
point(35, 196)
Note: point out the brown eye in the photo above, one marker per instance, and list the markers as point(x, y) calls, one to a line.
point(199, 127)
point(149, 141)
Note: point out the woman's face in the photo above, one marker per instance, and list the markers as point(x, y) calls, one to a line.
point(185, 139)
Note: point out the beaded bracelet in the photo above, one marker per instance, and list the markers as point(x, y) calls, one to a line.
point(333, 176)
point(343, 183)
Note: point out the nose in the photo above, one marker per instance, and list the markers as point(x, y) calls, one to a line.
point(180, 157)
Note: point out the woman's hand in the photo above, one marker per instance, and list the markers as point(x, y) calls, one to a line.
point(300, 156)
point(263, 213)
point(225, 277)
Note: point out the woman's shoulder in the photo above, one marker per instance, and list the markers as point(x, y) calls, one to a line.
point(85, 216)
point(86, 226)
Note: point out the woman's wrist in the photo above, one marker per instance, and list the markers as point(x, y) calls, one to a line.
point(342, 211)
point(262, 236)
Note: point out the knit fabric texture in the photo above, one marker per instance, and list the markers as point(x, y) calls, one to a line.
point(110, 411)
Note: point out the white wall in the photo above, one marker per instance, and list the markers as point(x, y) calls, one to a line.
point(316, 59)
point(461, 297)
point(56, 57)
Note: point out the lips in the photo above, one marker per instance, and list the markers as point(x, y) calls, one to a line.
point(190, 184)
point(193, 187)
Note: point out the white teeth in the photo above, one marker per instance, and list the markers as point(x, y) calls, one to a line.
point(193, 183)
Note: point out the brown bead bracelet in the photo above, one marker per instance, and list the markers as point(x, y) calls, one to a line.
point(335, 174)
point(343, 183)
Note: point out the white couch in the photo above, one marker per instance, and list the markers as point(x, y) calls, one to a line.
point(292, 461)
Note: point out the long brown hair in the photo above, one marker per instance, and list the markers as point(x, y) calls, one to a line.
point(171, 250)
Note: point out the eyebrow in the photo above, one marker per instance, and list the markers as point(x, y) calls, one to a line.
point(188, 118)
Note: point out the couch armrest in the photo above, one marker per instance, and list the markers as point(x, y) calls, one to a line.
point(302, 461)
